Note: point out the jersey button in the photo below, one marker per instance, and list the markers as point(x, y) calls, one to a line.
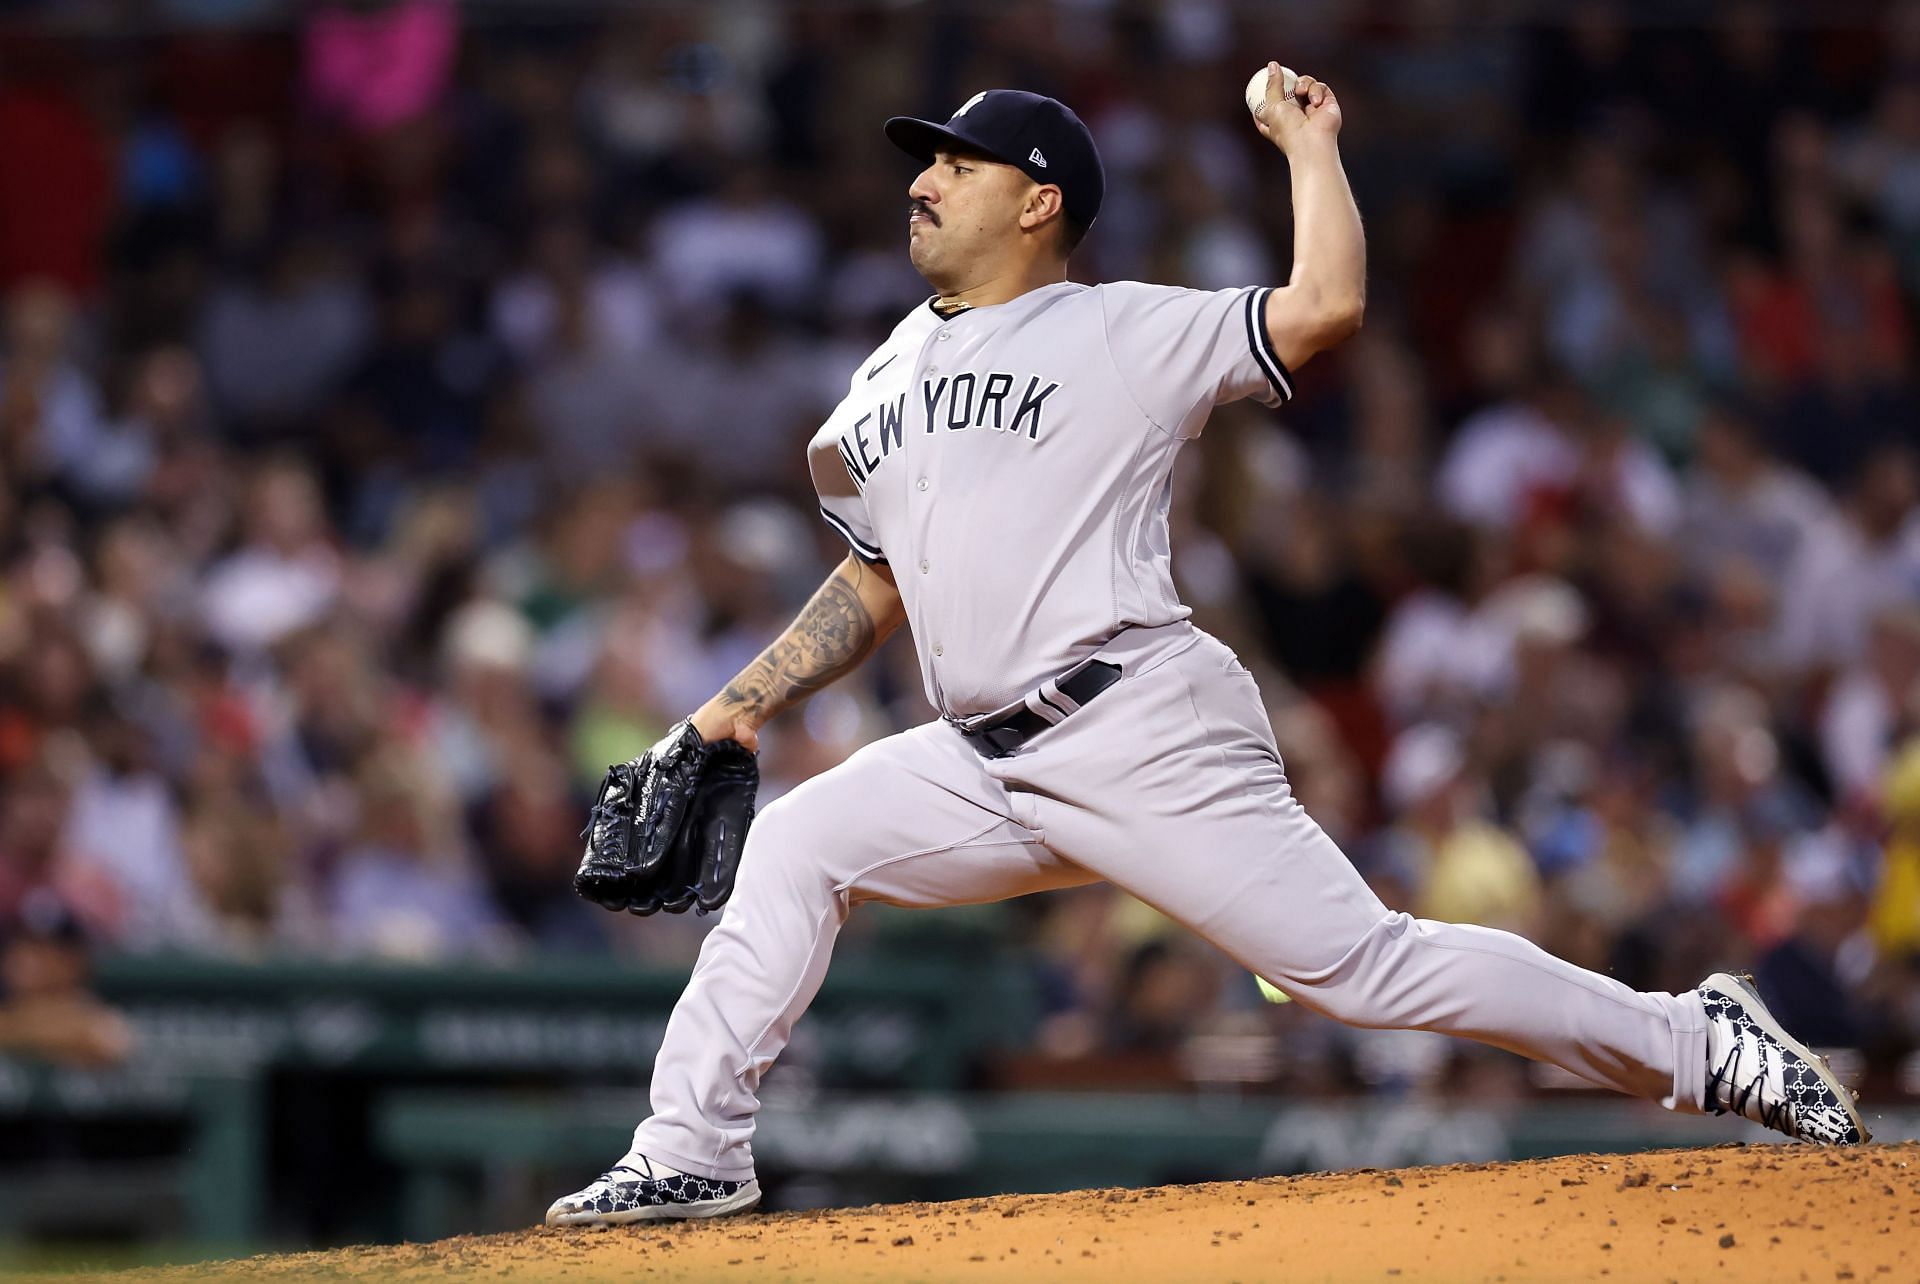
point(939, 650)
point(923, 567)
point(923, 483)
point(933, 369)
point(946, 334)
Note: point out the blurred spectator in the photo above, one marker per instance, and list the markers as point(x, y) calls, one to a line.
point(1881, 163)
point(284, 575)
point(1423, 667)
point(33, 815)
point(1833, 285)
point(1165, 986)
point(1524, 464)
point(1320, 617)
point(1864, 560)
point(745, 238)
point(1822, 961)
point(1895, 911)
point(406, 888)
point(487, 707)
point(565, 288)
point(1460, 867)
point(738, 391)
point(1612, 260)
point(47, 1010)
point(1744, 509)
point(1741, 800)
point(528, 830)
point(122, 841)
point(1874, 706)
point(51, 421)
point(236, 853)
point(279, 339)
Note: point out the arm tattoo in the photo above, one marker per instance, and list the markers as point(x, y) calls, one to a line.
point(832, 636)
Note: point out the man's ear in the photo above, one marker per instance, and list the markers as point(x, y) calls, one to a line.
point(1043, 203)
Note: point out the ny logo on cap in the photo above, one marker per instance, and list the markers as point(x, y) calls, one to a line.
point(1037, 158)
point(969, 105)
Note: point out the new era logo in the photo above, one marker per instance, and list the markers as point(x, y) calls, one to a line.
point(1037, 158)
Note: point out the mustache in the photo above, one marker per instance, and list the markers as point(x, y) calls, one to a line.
point(921, 207)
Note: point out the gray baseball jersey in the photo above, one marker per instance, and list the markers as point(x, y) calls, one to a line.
point(1012, 465)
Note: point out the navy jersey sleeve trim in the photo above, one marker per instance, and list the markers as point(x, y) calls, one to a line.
point(1262, 343)
point(864, 551)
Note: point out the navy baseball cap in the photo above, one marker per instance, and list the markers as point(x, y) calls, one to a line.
point(1037, 135)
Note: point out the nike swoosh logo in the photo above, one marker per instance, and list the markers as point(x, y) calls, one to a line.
point(882, 366)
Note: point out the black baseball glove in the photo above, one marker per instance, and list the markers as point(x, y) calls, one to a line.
point(667, 829)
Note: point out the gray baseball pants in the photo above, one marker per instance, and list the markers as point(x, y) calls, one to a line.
point(1169, 786)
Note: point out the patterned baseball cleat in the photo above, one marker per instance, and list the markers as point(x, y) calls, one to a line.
point(1758, 1070)
point(638, 1190)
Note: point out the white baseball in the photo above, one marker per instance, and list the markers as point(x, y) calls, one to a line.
point(1257, 88)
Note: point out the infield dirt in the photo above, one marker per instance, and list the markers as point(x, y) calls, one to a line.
point(1750, 1213)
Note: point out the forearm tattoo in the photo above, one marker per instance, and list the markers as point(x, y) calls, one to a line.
point(833, 634)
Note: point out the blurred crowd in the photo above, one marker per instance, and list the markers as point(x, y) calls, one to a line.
point(402, 414)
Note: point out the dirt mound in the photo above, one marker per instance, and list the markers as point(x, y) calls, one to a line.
point(1755, 1212)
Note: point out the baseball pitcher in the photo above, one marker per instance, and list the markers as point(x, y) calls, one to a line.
point(999, 470)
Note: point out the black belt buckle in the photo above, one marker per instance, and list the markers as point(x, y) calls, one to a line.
point(1000, 740)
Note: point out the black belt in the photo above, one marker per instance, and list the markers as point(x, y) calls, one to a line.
point(1002, 736)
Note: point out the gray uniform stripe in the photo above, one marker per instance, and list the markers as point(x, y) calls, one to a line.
point(1049, 712)
point(1262, 343)
point(1050, 692)
point(866, 551)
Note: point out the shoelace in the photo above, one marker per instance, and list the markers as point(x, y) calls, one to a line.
point(1771, 1115)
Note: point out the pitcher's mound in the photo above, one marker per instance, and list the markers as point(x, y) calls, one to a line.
point(1781, 1212)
